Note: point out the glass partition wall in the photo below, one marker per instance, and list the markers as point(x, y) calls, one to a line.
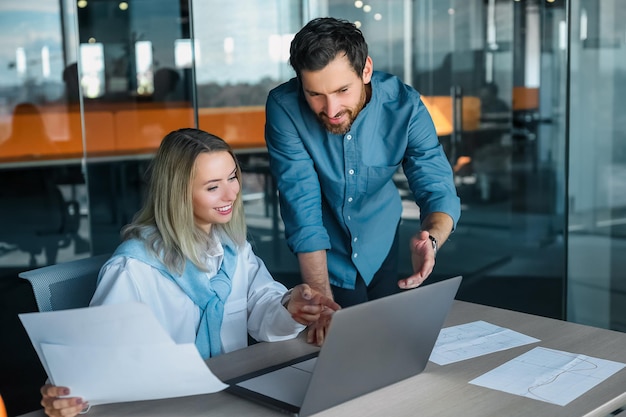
point(90, 87)
point(596, 272)
point(42, 187)
point(136, 82)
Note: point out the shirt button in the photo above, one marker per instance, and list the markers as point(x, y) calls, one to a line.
point(349, 199)
point(355, 255)
point(349, 137)
point(349, 218)
point(355, 239)
point(351, 172)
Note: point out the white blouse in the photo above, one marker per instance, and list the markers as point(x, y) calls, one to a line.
point(253, 306)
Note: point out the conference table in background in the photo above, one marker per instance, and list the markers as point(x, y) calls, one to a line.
point(442, 391)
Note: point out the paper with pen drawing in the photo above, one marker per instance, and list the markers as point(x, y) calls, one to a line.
point(465, 341)
point(549, 375)
point(88, 349)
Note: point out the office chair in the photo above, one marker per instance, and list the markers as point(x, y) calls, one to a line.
point(65, 285)
point(3, 410)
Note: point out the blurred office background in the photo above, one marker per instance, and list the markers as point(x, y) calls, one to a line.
point(527, 97)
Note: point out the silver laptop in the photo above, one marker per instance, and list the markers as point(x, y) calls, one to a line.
point(368, 346)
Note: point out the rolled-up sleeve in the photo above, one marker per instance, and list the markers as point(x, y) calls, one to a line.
point(268, 319)
point(427, 169)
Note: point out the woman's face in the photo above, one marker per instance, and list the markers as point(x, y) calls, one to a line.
point(214, 189)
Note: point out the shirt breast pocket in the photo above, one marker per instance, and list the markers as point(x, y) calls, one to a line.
point(377, 177)
point(236, 308)
point(235, 325)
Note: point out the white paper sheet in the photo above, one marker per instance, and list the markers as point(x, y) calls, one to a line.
point(474, 339)
point(549, 375)
point(131, 373)
point(116, 353)
point(108, 325)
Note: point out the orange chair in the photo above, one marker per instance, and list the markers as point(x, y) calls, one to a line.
point(3, 410)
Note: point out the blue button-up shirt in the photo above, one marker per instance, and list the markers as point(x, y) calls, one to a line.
point(337, 192)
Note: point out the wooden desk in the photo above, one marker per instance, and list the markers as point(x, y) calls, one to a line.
point(439, 391)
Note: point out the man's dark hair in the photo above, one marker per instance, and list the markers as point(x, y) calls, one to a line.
point(319, 42)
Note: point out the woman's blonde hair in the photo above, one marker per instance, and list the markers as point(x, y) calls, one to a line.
point(166, 221)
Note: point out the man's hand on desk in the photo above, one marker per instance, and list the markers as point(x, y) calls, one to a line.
point(55, 402)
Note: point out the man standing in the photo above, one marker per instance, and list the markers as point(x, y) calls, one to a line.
point(336, 134)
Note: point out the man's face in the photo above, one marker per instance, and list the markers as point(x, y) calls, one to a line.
point(336, 94)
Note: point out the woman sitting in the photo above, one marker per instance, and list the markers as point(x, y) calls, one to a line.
point(186, 256)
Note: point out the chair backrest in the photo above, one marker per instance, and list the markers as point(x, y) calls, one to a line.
point(3, 410)
point(67, 284)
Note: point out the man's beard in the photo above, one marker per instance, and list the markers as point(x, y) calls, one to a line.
point(352, 113)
